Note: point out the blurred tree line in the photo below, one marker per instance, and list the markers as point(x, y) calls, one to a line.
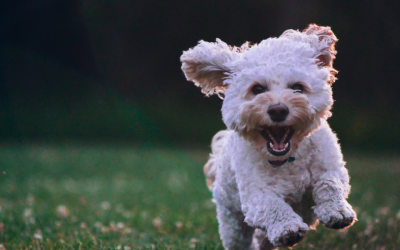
point(97, 69)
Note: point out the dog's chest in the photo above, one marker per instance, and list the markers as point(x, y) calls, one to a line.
point(291, 181)
point(256, 177)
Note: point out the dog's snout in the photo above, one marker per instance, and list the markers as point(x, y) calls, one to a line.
point(278, 112)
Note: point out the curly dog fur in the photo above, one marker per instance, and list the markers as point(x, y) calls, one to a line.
point(278, 168)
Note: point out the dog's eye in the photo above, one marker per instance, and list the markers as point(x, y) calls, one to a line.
point(258, 89)
point(298, 88)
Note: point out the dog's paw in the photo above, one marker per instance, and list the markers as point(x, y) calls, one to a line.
point(290, 235)
point(336, 215)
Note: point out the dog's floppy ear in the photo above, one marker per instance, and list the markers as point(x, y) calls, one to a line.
point(206, 65)
point(327, 42)
point(322, 40)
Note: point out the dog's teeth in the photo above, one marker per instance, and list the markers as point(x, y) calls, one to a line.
point(271, 145)
point(287, 144)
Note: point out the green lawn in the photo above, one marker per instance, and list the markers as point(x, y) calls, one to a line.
point(130, 197)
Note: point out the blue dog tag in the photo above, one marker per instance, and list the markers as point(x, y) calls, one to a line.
point(291, 159)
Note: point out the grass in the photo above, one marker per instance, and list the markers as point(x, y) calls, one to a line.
point(72, 196)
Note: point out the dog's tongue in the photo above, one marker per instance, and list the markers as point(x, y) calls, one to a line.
point(278, 137)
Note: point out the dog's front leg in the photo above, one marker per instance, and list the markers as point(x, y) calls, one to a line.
point(271, 213)
point(331, 208)
point(331, 182)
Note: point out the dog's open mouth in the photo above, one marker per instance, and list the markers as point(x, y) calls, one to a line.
point(278, 141)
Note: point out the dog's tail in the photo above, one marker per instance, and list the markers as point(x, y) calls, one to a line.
point(210, 169)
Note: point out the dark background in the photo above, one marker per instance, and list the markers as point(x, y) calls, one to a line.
point(109, 70)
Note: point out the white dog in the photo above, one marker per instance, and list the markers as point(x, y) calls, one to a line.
point(278, 169)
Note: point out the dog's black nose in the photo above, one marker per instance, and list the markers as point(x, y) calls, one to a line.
point(278, 112)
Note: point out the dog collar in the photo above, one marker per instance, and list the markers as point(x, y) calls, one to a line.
point(290, 159)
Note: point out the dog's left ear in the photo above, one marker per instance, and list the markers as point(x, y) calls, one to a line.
point(323, 41)
point(206, 65)
point(326, 44)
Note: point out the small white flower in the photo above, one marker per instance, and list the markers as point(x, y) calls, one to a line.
point(120, 225)
point(28, 213)
point(193, 242)
point(62, 211)
point(157, 223)
point(179, 225)
point(105, 205)
point(28, 216)
point(38, 235)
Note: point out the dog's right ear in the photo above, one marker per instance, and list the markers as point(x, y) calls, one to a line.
point(206, 65)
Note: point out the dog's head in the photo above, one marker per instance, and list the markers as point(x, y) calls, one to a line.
point(275, 92)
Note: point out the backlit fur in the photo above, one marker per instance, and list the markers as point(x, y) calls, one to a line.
point(257, 205)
